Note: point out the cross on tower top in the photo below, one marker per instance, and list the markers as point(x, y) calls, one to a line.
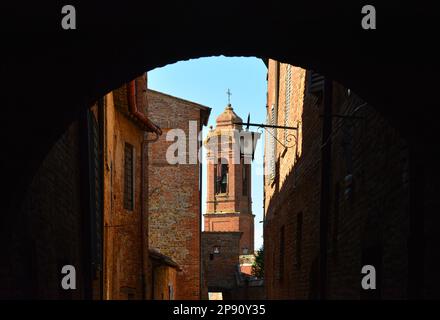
point(229, 96)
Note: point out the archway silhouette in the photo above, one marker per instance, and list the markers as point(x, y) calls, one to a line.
point(62, 72)
point(115, 43)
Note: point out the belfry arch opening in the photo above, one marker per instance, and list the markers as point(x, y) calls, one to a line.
point(221, 170)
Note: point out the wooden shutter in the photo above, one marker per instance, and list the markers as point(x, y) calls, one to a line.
point(272, 142)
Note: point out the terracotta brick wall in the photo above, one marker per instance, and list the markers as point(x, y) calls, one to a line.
point(368, 216)
point(174, 195)
point(123, 227)
point(219, 269)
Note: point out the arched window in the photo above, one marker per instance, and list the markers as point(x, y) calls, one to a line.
point(221, 176)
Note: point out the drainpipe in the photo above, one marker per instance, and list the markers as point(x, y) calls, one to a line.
point(326, 155)
point(149, 127)
point(133, 108)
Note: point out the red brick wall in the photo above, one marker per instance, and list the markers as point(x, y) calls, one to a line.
point(233, 222)
point(220, 269)
point(373, 214)
point(247, 228)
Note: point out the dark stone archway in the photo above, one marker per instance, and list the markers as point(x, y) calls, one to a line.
point(48, 74)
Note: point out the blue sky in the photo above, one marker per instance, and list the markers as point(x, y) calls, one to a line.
point(206, 81)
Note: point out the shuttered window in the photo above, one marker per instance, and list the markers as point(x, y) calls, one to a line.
point(128, 177)
point(287, 99)
point(272, 142)
point(315, 82)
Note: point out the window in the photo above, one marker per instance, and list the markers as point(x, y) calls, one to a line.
point(272, 151)
point(299, 231)
point(287, 99)
point(245, 179)
point(315, 82)
point(281, 257)
point(128, 177)
point(221, 181)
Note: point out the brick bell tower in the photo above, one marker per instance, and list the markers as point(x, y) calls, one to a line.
point(229, 201)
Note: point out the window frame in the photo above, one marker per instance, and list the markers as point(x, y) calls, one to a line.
point(129, 192)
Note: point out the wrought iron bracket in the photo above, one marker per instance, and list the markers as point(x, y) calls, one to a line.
point(265, 127)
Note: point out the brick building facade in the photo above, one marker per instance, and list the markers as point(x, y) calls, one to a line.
point(322, 225)
point(125, 266)
point(175, 188)
point(139, 264)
